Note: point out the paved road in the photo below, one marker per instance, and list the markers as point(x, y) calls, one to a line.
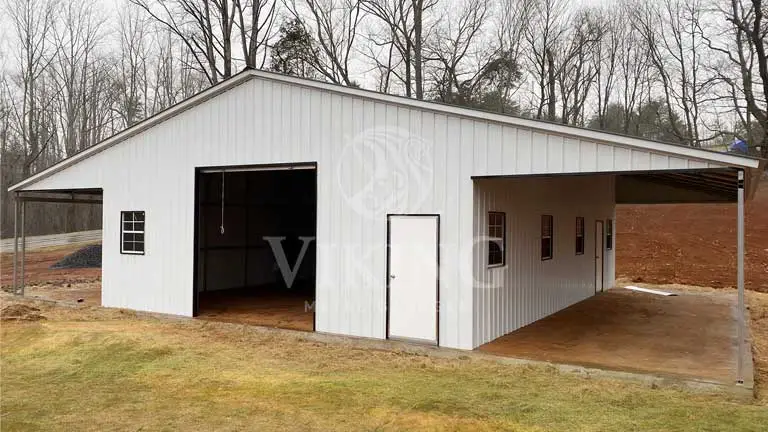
point(38, 242)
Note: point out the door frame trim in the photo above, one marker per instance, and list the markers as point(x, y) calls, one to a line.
point(437, 281)
point(199, 172)
point(601, 239)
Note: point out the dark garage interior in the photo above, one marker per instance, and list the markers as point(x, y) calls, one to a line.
point(253, 225)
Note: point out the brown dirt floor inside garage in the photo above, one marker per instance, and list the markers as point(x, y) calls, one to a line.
point(692, 244)
point(284, 310)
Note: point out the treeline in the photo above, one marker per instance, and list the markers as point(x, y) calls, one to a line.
point(687, 71)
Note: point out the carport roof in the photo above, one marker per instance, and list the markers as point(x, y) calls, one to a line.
point(712, 183)
point(688, 186)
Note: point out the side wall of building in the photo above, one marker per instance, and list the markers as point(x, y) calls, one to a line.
point(528, 288)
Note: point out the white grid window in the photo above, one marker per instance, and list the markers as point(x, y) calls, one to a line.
point(497, 239)
point(132, 232)
point(547, 244)
point(579, 236)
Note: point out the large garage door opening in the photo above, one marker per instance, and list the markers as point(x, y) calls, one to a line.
point(255, 246)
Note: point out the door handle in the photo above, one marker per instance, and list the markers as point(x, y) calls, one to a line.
point(391, 276)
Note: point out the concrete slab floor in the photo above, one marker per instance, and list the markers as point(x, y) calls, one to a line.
point(692, 335)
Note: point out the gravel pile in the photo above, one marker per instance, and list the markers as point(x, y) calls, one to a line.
point(87, 257)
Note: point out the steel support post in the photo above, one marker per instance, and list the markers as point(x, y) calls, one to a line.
point(15, 243)
point(740, 275)
point(23, 244)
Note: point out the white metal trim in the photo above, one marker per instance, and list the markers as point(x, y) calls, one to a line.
point(125, 252)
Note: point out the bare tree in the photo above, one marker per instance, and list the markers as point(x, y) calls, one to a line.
point(10, 155)
point(678, 57)
point(634, 69)
point(132, 81)
point(97, 116)
point(747, 56)
point(72, 71)
point(578, 64)
point(543, 33)
point(255, 21)
point(513, 18)
point(607, 58)
point(203, 26)
point(402, 30)
point(32, 22)
point(456, 53)
point(334, 25)
point(170, 78)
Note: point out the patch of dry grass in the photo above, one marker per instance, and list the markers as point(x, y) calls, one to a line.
point(758, 314)
point(86, 368)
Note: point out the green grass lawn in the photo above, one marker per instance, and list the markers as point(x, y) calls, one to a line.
point(98, 369)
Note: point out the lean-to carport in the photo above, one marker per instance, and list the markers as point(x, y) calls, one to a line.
point(594, 195)
point(20, 200)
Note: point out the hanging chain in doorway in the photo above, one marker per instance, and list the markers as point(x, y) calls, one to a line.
point(221, 228)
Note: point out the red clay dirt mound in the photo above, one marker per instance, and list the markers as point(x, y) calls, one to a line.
point(692, 244)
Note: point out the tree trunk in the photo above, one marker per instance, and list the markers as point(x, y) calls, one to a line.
point(551, 105)
point(417, 47)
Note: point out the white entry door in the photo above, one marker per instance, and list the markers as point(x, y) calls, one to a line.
point(412, 286)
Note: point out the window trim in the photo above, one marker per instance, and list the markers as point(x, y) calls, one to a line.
point(551, 238)
point(582, 236)
point(503, 239)
point(609, 234)
point(123, 232)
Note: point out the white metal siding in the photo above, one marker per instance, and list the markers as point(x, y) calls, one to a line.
point(526, 288)
point(266, 121)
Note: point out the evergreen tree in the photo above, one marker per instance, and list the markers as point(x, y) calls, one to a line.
point(294, 51)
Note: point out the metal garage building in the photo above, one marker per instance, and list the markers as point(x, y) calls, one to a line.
point(432, 222)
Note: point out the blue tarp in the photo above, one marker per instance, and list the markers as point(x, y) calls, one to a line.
point(738, 146)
